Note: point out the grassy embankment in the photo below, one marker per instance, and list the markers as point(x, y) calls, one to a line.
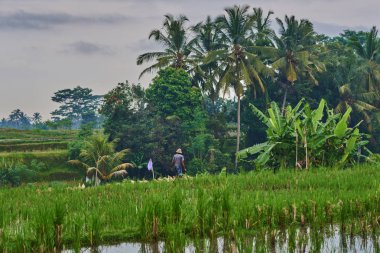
point(39, 150)
point(259, 204)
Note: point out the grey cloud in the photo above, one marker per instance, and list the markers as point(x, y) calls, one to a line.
point(334, 29)
point(37, 21)
point(144, 45)
point(88, 48)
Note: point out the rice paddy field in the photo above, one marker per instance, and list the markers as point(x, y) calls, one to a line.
point(43, 153)
point(15, 136)
point(256, 211)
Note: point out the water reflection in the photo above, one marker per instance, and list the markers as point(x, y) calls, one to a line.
point(297, 240)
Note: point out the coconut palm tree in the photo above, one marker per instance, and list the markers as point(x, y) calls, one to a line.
point(369, 53)
point(240, 66)
point(174, 36)
point(100, 161)
point(347, 99)
point(262, 28)
point(206, 75)
point(296, 53)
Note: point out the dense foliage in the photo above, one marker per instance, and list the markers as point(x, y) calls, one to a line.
point(239, 54)
point(304, 137)
point(153, 123)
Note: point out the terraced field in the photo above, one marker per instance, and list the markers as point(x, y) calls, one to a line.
point(40, 154)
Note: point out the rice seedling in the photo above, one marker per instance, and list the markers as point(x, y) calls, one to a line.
point(287, 208)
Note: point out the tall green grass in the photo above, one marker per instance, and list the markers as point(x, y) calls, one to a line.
point(273, 208)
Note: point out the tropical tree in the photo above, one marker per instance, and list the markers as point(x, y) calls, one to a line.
point(240, 66)
point(75, 104)
point(18, 119)
point(100, 161)
point(125, 114)
point(368, 51)
point(347, 99)
point(296, 53)
point(36, 118)
point(262, 31)
point(174, 36)
point(172, 94)
point(206, 74)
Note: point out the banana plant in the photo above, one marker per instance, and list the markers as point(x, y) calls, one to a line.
point(305, 137)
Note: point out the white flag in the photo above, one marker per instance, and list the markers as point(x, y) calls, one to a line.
point(150, 164)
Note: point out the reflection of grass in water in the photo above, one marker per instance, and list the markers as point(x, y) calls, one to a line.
point(259, 204)
point(328, 241)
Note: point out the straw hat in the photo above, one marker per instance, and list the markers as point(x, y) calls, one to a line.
point(179, 151)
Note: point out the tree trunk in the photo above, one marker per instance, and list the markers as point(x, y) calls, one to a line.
point(284, 101)
point(306, 154)
point(296, 164)
point(237, 133)
point(213, 104)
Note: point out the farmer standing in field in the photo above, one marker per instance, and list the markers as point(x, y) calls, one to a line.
point(179, 162)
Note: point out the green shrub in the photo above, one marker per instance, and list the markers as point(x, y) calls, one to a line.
point(74, 149)
point(9, 177)
point(15, 175)
point(196, 166)
point(303, 137)
point(37, 165)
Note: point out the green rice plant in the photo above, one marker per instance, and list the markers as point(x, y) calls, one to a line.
point(175, 240)
point(3, 240)
point(302, 238)
point(149, 221)
point(227, 210)
point(200, 244)
point(283, 218)
point(244, 244)
point(34, 146)
point(260, 204)
point(94, 230)
point(58, 218)
point(176, 202)
point(202, 206)
point(44, 229)
point(77, 236)
point(292, 238)
point(316, 240)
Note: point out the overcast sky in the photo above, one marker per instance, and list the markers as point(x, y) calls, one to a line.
point(48, 45)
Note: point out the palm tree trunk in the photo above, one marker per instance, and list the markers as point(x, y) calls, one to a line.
point(213, 104)
point(284, 100)
point(238, 132)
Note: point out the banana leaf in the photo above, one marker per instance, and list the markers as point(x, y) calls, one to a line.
point(244, 153)
point(341, 127)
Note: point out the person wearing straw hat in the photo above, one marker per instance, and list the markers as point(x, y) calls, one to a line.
point(179, 162)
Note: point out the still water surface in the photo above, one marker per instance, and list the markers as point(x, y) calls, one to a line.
point(303, 242)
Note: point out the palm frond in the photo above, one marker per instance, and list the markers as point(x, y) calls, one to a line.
point(147, 57)
point(79, 164)
point(123, 166)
